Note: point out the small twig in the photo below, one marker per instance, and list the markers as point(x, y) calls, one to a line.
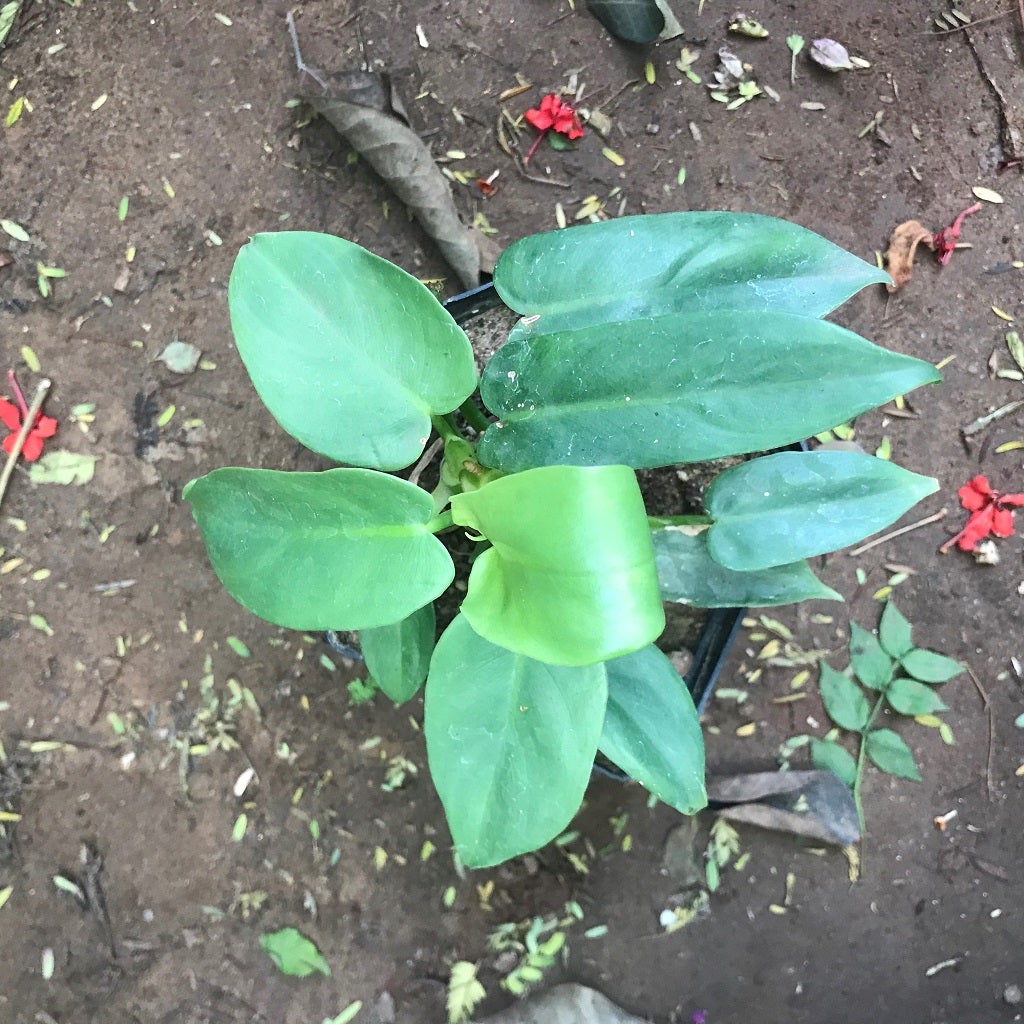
point(989, 785)
point(899, 533)
point(300, 64)
point(19, 442)
point(425, 460)
point(970, 24)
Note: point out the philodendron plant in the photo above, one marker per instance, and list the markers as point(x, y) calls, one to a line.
point(644, 342)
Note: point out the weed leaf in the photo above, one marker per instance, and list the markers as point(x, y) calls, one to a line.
point(844, 700)
point(930, 667)
point(293, 953)
point(894, 632)
point(830, 756)
point(872, 666)
point(888, 751)
point(909, 697)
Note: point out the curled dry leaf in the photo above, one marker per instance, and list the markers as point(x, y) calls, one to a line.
point(363, 107)
point(831, 55)
point(899, 257)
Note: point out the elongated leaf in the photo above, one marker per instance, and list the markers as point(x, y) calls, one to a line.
point(888, 752)
point(651, 730)
point(684, 387)
point(351, 354)
point(689, 575)
point(830, 756)
point(570, 578)
point(872, 666)
point(930, 667)
point(793, 505)
point(510, 741)
point(844, 700)
point(674, 262)
point(344, 549)
point(635, 21)
point(909, 697)
point(398, 655)
point(894, 632)
point(293, 953)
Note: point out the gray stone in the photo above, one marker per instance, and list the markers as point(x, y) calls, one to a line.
point(565, 1004)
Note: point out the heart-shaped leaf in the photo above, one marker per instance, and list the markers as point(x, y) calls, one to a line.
point(651, 730)
point(344, 549)
point(351, 354)
point(398, 655)
point(570, 576)
point(689, 575)
point(793, 505)
point(510, 741)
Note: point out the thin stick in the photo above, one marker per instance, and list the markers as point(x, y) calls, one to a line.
point(428, 457)
point(300, 64)
point(19, 442)
point(991, 731)
point(899, 533)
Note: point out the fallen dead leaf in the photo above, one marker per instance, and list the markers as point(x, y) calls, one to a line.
point(899, 257)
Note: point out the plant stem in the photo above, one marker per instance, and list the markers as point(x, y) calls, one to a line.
point(657, 522)
point(473, 416)
point(446, 428)
point(862, 754)
point(19, 442)
point(441, 522)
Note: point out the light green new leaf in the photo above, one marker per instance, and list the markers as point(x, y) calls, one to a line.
point(61, 467)
point(871, 665)
point(651, 729)
point(570, 578)
point(398, 655)
point(930, 667)
point(909, 697)
point(683, 387)
point(510, 742)
point(844, 700)
point(689, 575)
point(344, 549)
point(793, 505)
point(888, 752)
point(351, 354)
point(894, 632)
point(674, 262)
point(830, 756)
point(293, 953)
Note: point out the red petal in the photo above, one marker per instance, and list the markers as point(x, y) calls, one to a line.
point(975, 494)
point(1002, 522)
point(45, 426)
point(977, 529)
point(1010, 499)
point(10, 416)
point(540, 119)
point(33, 447)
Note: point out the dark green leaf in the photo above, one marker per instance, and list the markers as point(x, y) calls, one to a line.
point(689, 575)
point(351, 354)
point(909, 697)
point(510, 741)
point(635, 21)
point(684, 387)
point(830, 756)
point(888, 751)
point(699, 262)
point(792, 505)
point(398, 655)
point(344, 549)
point(293, 953)
point(930, 667)
point(651, 730)
point(570, 578)
point(894, 632)
point(871, 665)
point(844, 700)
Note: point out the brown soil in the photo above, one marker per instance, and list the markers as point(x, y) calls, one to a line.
point(199, 108)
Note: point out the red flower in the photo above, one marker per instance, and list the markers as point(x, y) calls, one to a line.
point(991, 514)
point(13, 416)
point(944, 242)
point(553, 116)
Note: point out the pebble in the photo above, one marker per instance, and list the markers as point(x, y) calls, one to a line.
point(1012, 995)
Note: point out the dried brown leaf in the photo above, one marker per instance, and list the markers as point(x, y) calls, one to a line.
point(899, 257)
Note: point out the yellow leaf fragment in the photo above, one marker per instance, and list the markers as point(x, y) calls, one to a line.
point(986, 195)
point(747, 730)
point(1002, 314)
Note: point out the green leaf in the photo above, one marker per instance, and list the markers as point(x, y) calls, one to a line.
point(871, 665)
point(698, 262)
point(343, 549)
point(510, 741)
point(635, 21)
point(792, 505)
point(8, 13)
point(689, 575)
point(828, 755)
point(351, 354)
point(930, 667)
point(844, 700)
point(684, 387)
point(570, 578)
point(61, 467)
point(909, 697)
point(398, 655)
point(894, 632)
point(293, 953)
point(888, 751)
point(15, 230)
point(651, 729)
